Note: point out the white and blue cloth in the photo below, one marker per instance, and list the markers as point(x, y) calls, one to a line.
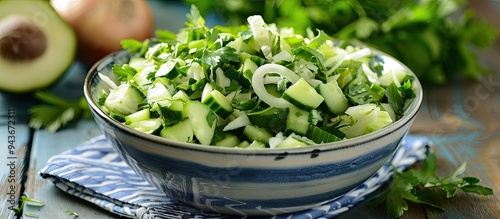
point(93, 171)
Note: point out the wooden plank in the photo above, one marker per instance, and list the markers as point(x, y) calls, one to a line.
point(14, 163)
point(46, 145)
point(15, 132)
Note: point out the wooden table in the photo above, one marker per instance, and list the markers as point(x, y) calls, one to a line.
point(462, 120)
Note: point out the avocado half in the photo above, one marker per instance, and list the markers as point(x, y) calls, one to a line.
point(36, 45)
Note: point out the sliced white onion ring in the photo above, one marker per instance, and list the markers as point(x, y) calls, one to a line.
point(260, 90)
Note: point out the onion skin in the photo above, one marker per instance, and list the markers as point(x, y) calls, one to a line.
point(101, 25)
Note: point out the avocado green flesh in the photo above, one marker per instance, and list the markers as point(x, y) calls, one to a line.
point(38, 70)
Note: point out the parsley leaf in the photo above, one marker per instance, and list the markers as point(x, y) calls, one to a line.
point(425, 187)
point(221, 55)
point(395, 100)
point(57, 112)
point(135, 46)
point(124, 72)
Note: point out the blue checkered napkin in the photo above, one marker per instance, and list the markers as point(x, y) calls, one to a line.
point(93, 171)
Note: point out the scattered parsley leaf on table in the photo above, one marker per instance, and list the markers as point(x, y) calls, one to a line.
point(24, 200)
point(56, 112)
point(70, 212)
point(425, 187)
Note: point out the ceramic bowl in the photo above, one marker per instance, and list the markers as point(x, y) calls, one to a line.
point(246, 181)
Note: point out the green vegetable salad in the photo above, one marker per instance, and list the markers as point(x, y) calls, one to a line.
point(254, 86)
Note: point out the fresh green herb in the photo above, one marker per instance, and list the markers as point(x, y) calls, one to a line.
point(124, 72)
point(70, 212)
point(24, 200)
point(427, 36)
point(425, 187)
point(222, 55)
point(31, 214)
point(135, 46)
point(56, 112)
point(395, 99)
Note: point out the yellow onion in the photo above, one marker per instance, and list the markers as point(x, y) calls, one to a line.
point(101, 25)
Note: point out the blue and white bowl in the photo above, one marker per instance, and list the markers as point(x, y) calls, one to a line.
point(246, 181)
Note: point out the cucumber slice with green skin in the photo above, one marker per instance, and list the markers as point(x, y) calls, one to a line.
point(319, 135)
point(218, 103)
point(302, 95)
point(137, 116)
point(181, 95)
point(297, 121)
point(249, 68)
point(168, 70)
point(181, 131)
point(239, 122)
point(272, 118)
point(141, 81)
point(203, 121)
point(150, 126)
point(125, 99)
point(334, 97)
point(37, 46)
point(256, 145)
point(171, 111)
point(230, 140)
point(243, 144)
point(291, 142)
point(158, 91)
point(254, 133)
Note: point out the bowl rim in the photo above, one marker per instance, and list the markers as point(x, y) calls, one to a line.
point(410, 114)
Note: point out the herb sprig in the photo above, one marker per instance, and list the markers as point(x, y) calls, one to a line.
point(24, 200)
point(56, 112)
point(424, 186)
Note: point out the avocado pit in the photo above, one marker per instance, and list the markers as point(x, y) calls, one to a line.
point(21, 39)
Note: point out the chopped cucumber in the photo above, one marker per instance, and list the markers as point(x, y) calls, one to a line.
point(230, 140)
point(171, 111)
point(335, 99)
point(158, 92)
point(137, 116)
point(181, 95)
point(218, 103)
point(297, 121)
point(252, 133)
point(244, 144)
point(168, 70)
point(291, 142)
point(319, 135)
point(302, 95)
point(256, 145)
point(181, 131)
point(272, 118)
point(140, 79)
point(203, 121)
point(150, 126)
point(239, 122)
point(124, 100)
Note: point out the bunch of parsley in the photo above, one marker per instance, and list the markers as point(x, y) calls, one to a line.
point(424, 186)
point(436, 39)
